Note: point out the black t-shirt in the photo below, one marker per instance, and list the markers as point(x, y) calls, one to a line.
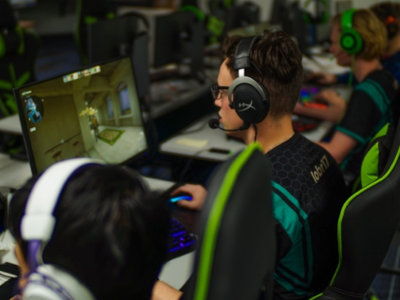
point(308, 193)
point(370, 107)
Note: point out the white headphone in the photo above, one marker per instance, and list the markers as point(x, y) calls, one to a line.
point(47, 281)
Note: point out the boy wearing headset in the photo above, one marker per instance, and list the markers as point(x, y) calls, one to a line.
point(359, 34)
point(109, 238)
point(389, 14)
point(308, 188)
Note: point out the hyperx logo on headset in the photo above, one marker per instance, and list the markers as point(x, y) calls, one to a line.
point(244, 106)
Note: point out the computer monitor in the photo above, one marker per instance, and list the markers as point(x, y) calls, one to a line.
point(290, 17)
point(179, 39)
point(279, 11)
point(92, 112)
point(243, 15)
point(110, 38)
point(22, 3)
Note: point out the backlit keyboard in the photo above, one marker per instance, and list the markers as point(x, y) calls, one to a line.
point(180, 240)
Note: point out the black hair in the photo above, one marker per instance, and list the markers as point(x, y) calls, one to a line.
point(110, 232)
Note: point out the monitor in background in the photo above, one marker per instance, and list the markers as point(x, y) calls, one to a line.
point(93, 112)
point(243, 15)
point(279, 11)
point(17, 4)
point(110, 38)
point(179, 39)
point(290, 17)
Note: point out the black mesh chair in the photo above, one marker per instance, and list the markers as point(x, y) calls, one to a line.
point(235, 257)
point(367, 224)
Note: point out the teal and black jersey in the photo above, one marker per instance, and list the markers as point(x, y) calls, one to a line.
point(372, 104)
point(308, 192)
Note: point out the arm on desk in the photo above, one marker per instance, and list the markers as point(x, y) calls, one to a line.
point(163, 291)
point(339, 146)
point(333, 112)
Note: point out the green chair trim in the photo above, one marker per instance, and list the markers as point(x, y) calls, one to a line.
point(347, 203)
point(370, 164)
point(214, 221)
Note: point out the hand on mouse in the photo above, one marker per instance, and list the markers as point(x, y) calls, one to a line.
point(198, 193)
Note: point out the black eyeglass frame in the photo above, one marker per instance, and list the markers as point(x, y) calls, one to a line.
point(216, 90)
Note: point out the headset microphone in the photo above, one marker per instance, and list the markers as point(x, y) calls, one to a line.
point(214, 124)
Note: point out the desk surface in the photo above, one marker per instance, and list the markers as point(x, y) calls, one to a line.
point(323, 63)
point(200, 141)
point(11, 124)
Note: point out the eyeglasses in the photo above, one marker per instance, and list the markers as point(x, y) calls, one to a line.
point(216, 90)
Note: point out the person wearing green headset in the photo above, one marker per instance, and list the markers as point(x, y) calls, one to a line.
point(389, 14)
point(257, 87)
point(360, 35)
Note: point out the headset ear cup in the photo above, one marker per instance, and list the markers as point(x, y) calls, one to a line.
point(351, 41)
point(249, 99)
point(52, 283)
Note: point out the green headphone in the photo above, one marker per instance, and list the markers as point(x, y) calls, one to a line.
point(350, 39)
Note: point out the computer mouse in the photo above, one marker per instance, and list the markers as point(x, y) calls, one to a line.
point(180, 197)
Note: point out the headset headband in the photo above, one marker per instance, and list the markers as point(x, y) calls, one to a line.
point(242, 53)
point(38, 221)
point(347, 18)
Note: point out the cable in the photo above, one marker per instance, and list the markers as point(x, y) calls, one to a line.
point(188, 164)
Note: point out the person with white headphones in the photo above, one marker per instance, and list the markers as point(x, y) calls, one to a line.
point(86, 230)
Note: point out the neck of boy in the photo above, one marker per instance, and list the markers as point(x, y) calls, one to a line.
point(271, 132)
point(362, 68)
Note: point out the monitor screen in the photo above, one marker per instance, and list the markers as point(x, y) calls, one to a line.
point(93, 112)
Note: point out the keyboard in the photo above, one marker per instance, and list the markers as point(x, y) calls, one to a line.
point(180, 240)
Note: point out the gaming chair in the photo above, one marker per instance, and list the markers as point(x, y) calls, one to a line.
point(367, 223)
point(235, 256)
point(48, 282)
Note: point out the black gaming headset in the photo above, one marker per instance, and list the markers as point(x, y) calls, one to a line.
point(350, 40)
point(249, 98)
point(47, 282)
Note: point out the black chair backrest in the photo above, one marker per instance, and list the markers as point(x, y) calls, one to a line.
point(236, 249)
point(366, 226)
